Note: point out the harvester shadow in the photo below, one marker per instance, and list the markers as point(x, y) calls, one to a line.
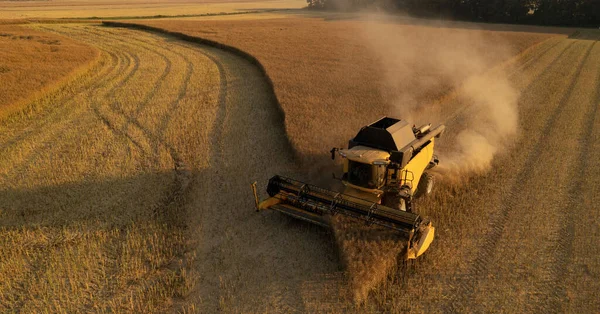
point(111, 223)
point(113, 200)
point(280, 259)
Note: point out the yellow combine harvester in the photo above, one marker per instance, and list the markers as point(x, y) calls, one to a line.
point(384, 168)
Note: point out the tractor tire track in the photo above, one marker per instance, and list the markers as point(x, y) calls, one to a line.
point(555, 287)
point(128, 68)
point(61, 107)
point(46, 138)
point(132, 118)
point(554, 256)
point(128, 58)
point(182, 90)
point(179, 166)
point(158, 138)
point(528, 62)
point(248, 141)
point(462, 295)
point(111, 94)
point(115, 108)
point(470, 110)
point(245, 112)
point(157, 83)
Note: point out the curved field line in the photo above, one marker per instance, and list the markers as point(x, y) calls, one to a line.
point(180, 168)
point(150, 137)
point(119, 68)
point(230, 49)
point(46, 138)
point(132, 118)
point(247, 140)
point(111, 95)
point(104, 75)
point(237, 117)
point(478, 270)
point(106, 79)
point(61, 108)
point(182, 90)
point(125, 68)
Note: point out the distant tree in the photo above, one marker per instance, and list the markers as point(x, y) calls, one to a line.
point(547, 12)
point(588, 12)
point(566, 12)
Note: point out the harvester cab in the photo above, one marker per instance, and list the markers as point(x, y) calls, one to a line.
point(384, 167)
point(386, 162)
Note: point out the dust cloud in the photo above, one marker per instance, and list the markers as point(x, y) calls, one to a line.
point(436, 72)
point(431, 73)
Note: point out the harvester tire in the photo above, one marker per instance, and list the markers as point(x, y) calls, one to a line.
point(425, 184)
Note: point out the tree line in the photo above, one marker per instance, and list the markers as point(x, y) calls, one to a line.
point(543, 12)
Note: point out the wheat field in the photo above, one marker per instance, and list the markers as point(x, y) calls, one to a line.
point(90, 196)
point(125, 187)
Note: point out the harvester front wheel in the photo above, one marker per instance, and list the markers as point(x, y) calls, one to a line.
point(425, 184)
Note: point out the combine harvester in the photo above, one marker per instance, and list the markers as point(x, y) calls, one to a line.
point(384, 168)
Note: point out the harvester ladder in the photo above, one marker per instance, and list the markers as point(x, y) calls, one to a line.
point(406, 179)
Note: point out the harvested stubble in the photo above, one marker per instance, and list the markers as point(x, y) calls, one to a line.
point(369, 254)
point(116, 151)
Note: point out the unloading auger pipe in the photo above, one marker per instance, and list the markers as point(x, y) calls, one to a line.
point(319, 201)
point(436, 132)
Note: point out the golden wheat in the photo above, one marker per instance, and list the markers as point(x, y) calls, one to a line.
point(130, 193)
point(34, 63)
